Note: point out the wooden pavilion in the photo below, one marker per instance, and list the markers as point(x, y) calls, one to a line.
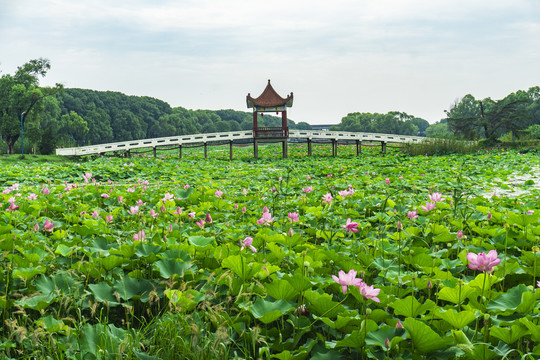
point(270, 101)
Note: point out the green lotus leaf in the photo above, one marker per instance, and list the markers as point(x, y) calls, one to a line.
point(410, 307)
point(508, 335)
point(458, 320)
point(200, 241)
point(103, 292)
point(51, 325)
point(281, 289)
point(356, 339)
point(27, 274)
point(38, 302)
point(129, 288)
point(268, 311)
point(58, 284)
point(425, 340)
point(184, 301)
point(169, 268)
point(518, 299)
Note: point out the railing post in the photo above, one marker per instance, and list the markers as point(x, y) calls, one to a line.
point(255, 149)
point(285, 149)
point(180, 151)
point(383, 147)
point(358, 147)
point(205, 150)
point(155, 152)
point(334, 147)
point(309, 147)
point(230, 149)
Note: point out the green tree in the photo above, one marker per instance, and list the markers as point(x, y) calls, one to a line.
point(74, 127)
point(21, 96)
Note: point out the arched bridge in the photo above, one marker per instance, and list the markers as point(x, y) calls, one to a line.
point(244, 136)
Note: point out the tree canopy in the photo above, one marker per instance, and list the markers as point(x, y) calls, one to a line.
point(22, 99)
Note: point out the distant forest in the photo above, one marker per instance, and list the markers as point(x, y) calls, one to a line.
point(82, 117)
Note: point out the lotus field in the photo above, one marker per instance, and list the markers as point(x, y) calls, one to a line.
point(368, 257)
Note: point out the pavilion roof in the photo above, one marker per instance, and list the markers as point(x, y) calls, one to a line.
point(269, 98)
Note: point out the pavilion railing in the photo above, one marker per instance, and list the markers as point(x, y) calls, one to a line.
point(263, 132)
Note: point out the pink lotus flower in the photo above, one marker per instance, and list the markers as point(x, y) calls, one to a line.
point(109, 219)
point(218, 194)
point(489, 216)
point(399, 325)
point(387, 181)
point(167, 197)
point(369, 292)
point(399, 225)
point(350, 226)
point(530, 212)
point(134, 210)
point(412, 215)
point(120, 199)
point(235, 206)
point(436, 197)
point(200, 223)
point(343, 193)
point(244, 191)
point(178, 211)
point(208, 219)
point(95, 214)
point(105, 196)
point(308, 189)
point(187, 186)
point(12, 207)
point(327, 198)
point(483, 262)
point(140, 202)
point(459, 234)
point(139, 236)
point(244, 209)
point(36, 227)
point(347, 279)
point(48, 226)
point(266, 218)
point(32, 196)
point(248, 243)
point(154, 214)
point(191, 215)
point(429, 206)
point(46, 191)
point(294, 217)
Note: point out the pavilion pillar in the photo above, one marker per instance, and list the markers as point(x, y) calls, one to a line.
point(180, 151)
point(254, 123)
point(230, 149)
point(155, 152)
point(205, 150)
point(383, 147)
point(309, 147)
point(358, 147)
point(284, 122)
point(285, 149)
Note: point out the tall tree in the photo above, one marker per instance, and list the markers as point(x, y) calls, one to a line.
point(21, 98)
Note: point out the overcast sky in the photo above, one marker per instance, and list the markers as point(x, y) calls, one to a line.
point(337, 56)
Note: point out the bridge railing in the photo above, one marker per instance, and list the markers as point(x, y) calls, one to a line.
point(237, 135)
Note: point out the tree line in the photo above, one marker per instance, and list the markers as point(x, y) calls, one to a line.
point(52, 117)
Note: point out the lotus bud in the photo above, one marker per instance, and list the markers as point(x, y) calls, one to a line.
point(399, 325)
point(291, 232)
point(386, 343)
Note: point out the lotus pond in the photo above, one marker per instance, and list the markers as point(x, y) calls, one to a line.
point(368, 257)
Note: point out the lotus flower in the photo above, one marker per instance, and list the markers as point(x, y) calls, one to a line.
point(347, 279)
point(483, 262)
point(436, 197)
point(350, 226)
point(369, 292)
point(294, 217)
point(48, 226)
point(248, 243)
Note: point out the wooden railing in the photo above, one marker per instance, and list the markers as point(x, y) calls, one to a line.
point(265, 132)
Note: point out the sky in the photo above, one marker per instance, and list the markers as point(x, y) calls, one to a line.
point(337, 57)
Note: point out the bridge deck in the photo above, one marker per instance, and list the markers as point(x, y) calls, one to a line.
point(232, 136)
